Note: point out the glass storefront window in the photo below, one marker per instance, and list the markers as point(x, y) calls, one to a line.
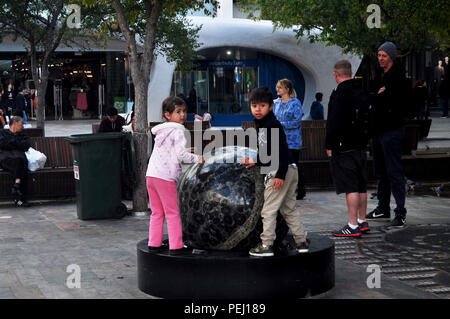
point(192, 86)
point(218, 90)
point(229, 88)
point(224, 77)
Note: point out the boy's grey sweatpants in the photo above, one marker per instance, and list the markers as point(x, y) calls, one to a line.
point(283, 200)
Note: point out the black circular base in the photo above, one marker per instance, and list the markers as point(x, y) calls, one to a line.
point(236, 274)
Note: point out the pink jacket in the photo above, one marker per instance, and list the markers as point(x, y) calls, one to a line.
point(169, 151)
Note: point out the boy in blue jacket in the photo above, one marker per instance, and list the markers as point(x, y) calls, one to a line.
point(282, 178)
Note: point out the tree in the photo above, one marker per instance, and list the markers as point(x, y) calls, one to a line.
point(42, 25)
point(149, 28)
point(414, 25)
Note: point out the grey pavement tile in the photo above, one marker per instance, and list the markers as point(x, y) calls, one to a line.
point(27, 292)
point(351, 283)
point(53, 259)
point(29, 276)
point(86, 293)
point(109, 289)
point(54, 275)
point(10, 251)
point(8, 279)
point(29, 260)
point(108, 271)
point(37, 251)
point(56, 291)
point(10, 240)
point(9, 261)
point(6, 293)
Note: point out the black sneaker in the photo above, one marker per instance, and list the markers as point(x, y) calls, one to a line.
point(399, 220)
point(185, 249)
point(379, 214)
point(301, 194)
point(159, 248)
point(347, 231)
point(261, 251)
point(20, 203)
point(364, 227)
point(303, 247)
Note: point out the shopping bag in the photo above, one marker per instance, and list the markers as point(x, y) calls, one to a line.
point(36, 159)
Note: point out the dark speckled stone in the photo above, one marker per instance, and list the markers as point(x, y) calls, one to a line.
point(221, 201)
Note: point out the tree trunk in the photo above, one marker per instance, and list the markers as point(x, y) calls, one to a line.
point(140, 74)
point(140, 199)
point(41, 88)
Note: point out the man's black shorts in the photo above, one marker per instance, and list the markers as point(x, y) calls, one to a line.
point(349, 170)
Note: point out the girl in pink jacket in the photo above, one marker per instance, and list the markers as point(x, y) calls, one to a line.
point(164, 168)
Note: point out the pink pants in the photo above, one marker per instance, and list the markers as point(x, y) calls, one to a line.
point(164, 203)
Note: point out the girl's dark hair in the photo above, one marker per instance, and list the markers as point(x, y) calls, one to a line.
point(169, 104)
point(261, 94)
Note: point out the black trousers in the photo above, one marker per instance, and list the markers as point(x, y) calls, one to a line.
point(301, 191)
point(388, 169)
point(18, 167)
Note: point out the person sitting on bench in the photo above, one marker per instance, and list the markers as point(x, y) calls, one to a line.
point(13, 145)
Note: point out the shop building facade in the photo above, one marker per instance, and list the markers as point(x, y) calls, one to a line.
point(82, 82)
point(237, 55)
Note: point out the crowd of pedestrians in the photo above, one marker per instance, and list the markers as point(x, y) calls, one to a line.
point(13, 104)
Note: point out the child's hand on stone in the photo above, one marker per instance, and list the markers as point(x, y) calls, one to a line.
point(247, 162)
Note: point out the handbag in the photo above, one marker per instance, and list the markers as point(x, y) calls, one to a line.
point(36, 159)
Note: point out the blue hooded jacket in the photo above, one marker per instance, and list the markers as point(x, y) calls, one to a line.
point(290, 114)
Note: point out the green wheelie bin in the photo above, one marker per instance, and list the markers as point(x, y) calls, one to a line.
point(97, 160)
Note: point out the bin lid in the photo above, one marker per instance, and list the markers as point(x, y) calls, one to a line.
point(79, 138)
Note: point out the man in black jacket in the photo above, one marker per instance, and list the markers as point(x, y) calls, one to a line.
point(391, 95)
point(346, 142)
point(21, 105)
point(13, 145)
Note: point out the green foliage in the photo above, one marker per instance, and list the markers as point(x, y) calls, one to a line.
point(413, 25)
point(176, 37)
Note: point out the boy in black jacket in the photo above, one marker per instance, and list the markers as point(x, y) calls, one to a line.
point(281, 179)
point(346, 144)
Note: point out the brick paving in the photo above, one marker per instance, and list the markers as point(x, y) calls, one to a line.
point(37, 244)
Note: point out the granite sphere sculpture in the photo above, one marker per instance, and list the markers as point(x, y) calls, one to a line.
point(220, 202)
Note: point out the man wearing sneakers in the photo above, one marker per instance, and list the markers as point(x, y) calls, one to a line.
point(390, 99)
point(13, 145)
point(346, 142)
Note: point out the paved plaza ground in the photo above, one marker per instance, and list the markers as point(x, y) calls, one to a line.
point(37, 245)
